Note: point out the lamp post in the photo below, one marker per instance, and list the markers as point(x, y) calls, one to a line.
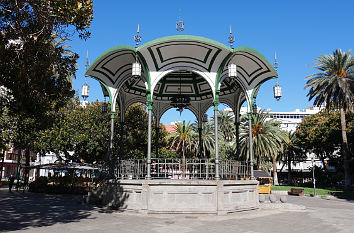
point(313, 175)
point(85, 88)
point(276, 88)
point(104, 106)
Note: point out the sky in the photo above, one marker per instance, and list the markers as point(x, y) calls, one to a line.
point(298, 31)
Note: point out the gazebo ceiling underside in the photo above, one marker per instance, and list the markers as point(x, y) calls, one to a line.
point(190, 84)
point(197, 64)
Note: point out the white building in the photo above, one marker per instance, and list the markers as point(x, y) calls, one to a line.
point(289, 122)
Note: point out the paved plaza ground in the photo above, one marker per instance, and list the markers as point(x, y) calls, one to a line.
point(29, 212)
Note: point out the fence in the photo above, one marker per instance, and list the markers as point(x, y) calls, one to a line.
point(179, 169)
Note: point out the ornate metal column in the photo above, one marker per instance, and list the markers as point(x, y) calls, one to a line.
point(237, 132)
point(157, 129)
point(200, 131)
point(251, 142)
point(111, 165)
point(121, 145)
point(217, 177)
point(149, 143)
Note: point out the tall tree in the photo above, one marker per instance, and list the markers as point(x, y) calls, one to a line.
point(333, 86)
point(208, 139)
point(32, 69)
point(182, 139)
point(266, 137)
point(226, 124)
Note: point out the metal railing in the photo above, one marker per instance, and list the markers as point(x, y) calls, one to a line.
point(178, 169)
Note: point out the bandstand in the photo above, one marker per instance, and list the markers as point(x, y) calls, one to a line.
point(183, 72)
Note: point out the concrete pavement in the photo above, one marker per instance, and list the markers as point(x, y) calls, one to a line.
point(28, 212)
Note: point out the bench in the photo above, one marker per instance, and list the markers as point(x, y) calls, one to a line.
point(296, 191)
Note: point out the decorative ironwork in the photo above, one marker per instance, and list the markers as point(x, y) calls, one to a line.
point(180, 102)
point(85, 88)
point(137, 37)
point(175, 169)
point(136, 67)
point(104, 106)
point(232, 69)
point(180, 23)
point(254, 107)
point(276, 88)
point(231, 38)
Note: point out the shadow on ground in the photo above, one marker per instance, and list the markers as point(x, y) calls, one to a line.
point(346, 195)
point(23, 210)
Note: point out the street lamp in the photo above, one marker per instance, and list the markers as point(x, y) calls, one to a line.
point(276, 88)
point(85, 88)
point(232, 69)
point(313, 175)
point(254, 108)
point(104, 106)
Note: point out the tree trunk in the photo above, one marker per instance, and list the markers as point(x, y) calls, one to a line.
point(27, 170)
point(259, 167)
point(275, 175)
point(18, 168)
point(290, 178)
point(347, 178)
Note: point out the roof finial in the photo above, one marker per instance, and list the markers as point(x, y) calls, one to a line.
point(275, 61)
point(87, 62)
point(137, 37)
point(180, 23)
point(231, 38)
point(276, 66)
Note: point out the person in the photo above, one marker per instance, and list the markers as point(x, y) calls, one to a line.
point(11, 182)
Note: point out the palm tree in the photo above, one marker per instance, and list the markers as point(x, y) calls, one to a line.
point(266, 136)
point(182, 139)
point(333, 86)
point(226, 123)
point(208, 139)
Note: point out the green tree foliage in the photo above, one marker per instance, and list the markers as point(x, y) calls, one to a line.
point(85, 131)
point(208, 139)
point(321, 134)
point(32, 68)
point(182, 141)
point(333, 86)
point(226, 125)
point(291, 151)
point(136, 134)
point(267, 137)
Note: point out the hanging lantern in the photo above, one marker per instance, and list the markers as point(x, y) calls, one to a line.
point(277, 92)
point(232, 70)
point(104, 107)
point(136, 70)
point(85, 91)
point(254, 108)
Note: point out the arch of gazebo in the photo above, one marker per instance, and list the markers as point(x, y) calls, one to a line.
point(194, 66)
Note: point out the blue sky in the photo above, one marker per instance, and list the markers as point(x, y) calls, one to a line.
point(299, 31)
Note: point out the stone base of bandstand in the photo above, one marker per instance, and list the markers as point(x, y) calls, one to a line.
point(188, 196)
